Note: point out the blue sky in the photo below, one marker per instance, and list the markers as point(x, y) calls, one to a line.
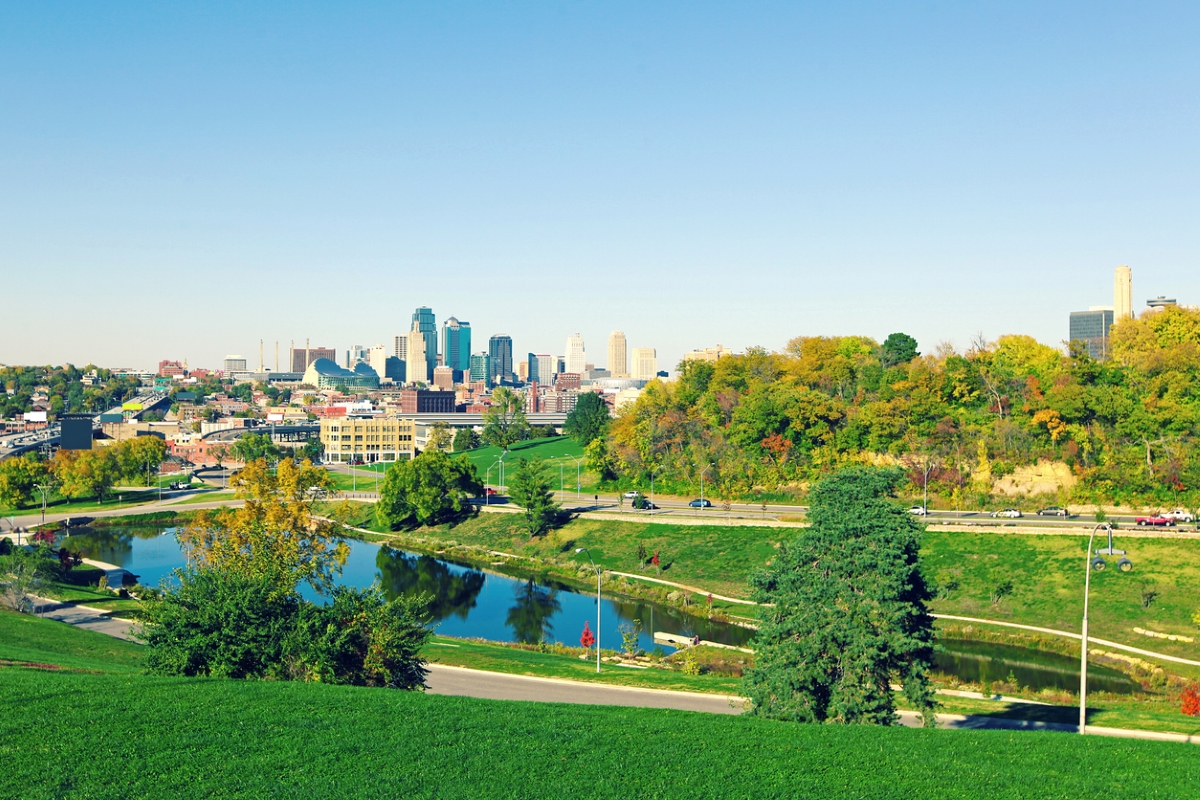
point(182, 181)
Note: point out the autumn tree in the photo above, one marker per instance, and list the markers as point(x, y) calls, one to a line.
point(19, 478)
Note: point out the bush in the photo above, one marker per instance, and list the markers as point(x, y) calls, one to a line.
point(1191, 700)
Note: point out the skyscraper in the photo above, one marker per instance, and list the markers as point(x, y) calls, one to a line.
point(481, 368)
point(456, 345)
point(618, 361)
point(501, 352)
point(645, 363)
point(427, 324)
point(400, 347)
point(1091, 328)
point(1123, 294)
point(416, 365)
point(576, 358)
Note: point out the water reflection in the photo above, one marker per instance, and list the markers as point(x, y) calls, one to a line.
point(530, 617)
point(451, 592)
point(986, 662)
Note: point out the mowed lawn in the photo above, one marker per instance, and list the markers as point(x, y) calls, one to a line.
point(83, 735)
point(28, 639)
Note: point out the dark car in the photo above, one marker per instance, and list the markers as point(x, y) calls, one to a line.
point(1053, 511)
point(700, 504)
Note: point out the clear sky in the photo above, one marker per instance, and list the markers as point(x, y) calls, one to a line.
point(183, 180)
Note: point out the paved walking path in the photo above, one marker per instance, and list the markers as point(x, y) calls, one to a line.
point(85, 617)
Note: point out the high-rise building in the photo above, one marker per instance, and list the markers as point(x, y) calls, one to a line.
point(481, 368)
point(618, 359)
point(708, 353)
point(645, 364)
point(523, 371)
point(302, 358)
point(501, 352)
point(456, 345)
point(443, 377)
point(235, 364)
point(576, 357)
point(427, 324)
point(416, 364)
point(400, 347)
point(358, 353)
point(542, 368)
point(1123, 294)
point(1091, 327)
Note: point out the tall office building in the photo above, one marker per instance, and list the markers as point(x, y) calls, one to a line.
point(427, 324)
point(576, 358)
point(358, 353)
point(302, 358)
point(645, 364)
point(501, 352)
point(523, 371)
point(481, 368)
point(542, 368)
point(235, 364)
point(456, 345)
point(618, 359)
point(400, 347)
point(1123, 294)
point(1091, 328)
point(416, 364)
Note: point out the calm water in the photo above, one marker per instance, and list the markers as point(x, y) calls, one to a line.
point(469, 602)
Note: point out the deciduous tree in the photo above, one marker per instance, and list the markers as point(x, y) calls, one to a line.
point(428, 490)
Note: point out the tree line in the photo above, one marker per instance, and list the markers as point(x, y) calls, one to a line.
point(81, 473)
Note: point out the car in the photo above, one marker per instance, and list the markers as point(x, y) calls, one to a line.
point(1158, 520)
point(643, 504)
point(920, 511)
point(700, 504)
point(630, 495)
point(1180, 515)
point(1010, 513)
point(490, 491)
point(1053, 511)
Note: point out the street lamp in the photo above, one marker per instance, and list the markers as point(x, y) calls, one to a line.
point(41, 489)
point(578, 462)
point(487, 484)
point(706, 469)
point(1098, 564)
point(589, 555)
point(652, 471)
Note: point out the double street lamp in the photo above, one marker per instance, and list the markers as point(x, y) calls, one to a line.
point(589, 555)
point(1098, 564)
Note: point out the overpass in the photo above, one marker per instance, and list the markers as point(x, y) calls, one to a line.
point(48, 438)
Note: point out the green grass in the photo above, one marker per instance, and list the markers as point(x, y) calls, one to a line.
point(208, 496)
point(61, 505)
point(83, 735)
point(25, 638)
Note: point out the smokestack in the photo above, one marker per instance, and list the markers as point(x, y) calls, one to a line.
point(306, 354)
point(260, 342)
point(277, 355)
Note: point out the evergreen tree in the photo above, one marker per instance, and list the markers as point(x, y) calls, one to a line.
point(529, 487)
point(849, 615)
point(898, 348)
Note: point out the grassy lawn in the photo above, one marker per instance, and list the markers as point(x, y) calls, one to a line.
point(70, 734)
point(25, 638)
point(62, 505)
point(207, 496)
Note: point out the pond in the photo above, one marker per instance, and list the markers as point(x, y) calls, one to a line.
point(469, 602)
point(466, 601)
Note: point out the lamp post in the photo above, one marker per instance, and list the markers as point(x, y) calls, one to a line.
point(1098, 564)
point(502, 455)
point(487, 498)
point(589, 555)
point(578, 461)
point(706, 469)
point(652, 471)
point(41, 489)
point(562, 486)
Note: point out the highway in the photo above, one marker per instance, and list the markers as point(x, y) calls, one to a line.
point(18, 443)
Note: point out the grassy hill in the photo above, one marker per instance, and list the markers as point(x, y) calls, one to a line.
point(85, 735)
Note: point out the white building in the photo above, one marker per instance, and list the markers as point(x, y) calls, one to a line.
point(576, 358)
point(645, 364)
point(1123, 294)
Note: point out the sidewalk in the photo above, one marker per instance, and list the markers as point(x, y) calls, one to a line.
point(85, 617)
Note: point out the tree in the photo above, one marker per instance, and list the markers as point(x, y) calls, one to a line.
point(255, 446)
point(600, 459)
point(85, 473)
point(529, 487)
point(428, 490)
point(139, 458)
point(898, 348)
point(274, 536)
point(849, 616)
point(19, 478)
point(589, 419)
point(504, 422)
point(439, 437)
point(23, 572)
point(466, 439)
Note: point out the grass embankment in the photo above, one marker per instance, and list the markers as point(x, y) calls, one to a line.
point(1046, 571)
point(30, 640)
point(63, 505)
point(82, 586)
point(64, 734)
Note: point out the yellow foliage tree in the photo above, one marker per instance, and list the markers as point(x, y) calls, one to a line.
point(274, 535)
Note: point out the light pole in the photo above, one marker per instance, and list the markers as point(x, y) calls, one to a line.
point(578, 488)
point(41, 489)
point(502, 455)
point(1098, 564)
point(589, 554)
point(652, 471)
point(706, 469)
point(562, 486)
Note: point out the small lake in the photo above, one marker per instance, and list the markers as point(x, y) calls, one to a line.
point(467, 601)
point(470, 602)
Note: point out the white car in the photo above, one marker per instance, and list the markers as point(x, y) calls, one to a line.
point(1010, 513)
point(631, 495)
point(1180, 515)
point(920, 511)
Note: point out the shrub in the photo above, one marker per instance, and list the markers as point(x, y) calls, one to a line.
point(1191, 700)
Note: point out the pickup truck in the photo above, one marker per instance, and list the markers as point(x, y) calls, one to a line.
point(1158, 520)
point(1180, 515)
